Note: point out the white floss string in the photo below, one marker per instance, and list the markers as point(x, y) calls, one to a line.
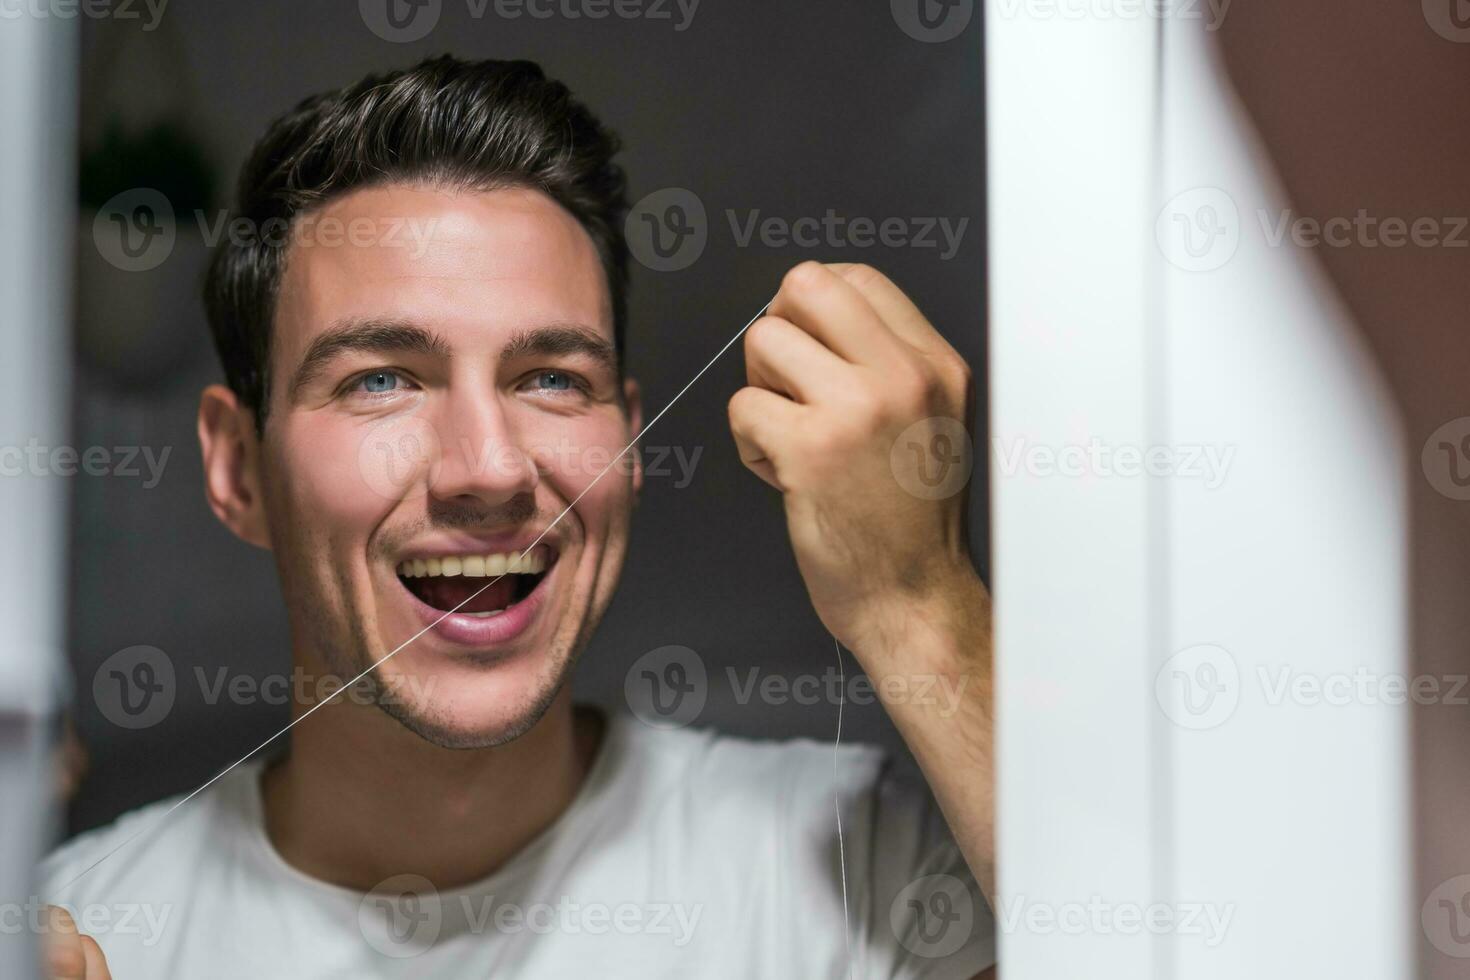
point(842, 860)
point(837, 801)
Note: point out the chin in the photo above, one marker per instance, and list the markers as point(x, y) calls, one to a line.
point(473, 706)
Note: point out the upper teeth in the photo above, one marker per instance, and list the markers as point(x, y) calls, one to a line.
point(476, 566)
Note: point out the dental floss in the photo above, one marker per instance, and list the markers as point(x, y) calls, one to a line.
point(842, 694)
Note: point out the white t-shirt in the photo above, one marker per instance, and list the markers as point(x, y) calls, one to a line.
point(685, 854)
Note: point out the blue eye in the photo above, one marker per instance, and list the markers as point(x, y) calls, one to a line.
point(379, 382)
point(554, 381)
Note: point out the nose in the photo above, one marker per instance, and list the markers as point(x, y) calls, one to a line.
point(480, 457)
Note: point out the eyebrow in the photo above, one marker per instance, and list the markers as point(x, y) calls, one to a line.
point(369, 336)
point(561, 339)
point(399, 337)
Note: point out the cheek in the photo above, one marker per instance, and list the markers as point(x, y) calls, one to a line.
point(346, 476)
point(581, 459)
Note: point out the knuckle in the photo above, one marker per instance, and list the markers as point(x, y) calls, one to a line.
point(864, 396)
point(805, 276)
point(956, 383)
point(962, 372)
point(762, 333)
point(739, 407)
point(862, 274)
point(912, 387)
point(866, 416)
point(733, 410)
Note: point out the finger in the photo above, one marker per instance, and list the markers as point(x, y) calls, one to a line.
point(759, 419)
point(96, 962)
point(66, 956)
point(781, 356)
point(894, 307)
point(831, 309)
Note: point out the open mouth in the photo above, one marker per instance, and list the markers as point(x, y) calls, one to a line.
point(482, 586)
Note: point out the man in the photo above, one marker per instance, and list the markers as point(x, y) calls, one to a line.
point(407, 430)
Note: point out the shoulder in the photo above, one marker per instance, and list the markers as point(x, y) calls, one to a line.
point(710, 787)
point(152, 848)
point(755, 824)
point(754, 769)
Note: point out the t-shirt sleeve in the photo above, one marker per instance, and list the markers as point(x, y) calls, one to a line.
point(924, 915)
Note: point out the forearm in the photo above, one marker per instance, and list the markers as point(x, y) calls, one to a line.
point(930, 661)
point(851, 394)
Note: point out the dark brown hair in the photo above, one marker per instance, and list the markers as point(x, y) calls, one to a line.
point(473, 124)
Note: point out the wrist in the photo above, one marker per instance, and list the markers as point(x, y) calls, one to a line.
point(943, 624)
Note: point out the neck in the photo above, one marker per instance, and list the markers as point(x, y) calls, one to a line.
point(360, 798)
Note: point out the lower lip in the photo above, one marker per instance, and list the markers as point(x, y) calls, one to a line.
point(476, 631)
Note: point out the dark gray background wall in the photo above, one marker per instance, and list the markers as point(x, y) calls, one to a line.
point(788, 109)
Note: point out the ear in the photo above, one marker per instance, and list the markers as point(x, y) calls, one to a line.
point(231, 450)
point(633, 403)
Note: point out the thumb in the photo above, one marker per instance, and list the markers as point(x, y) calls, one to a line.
point(69, 955)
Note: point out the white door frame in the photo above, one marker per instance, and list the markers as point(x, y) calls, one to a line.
point(1149, 764)
point(37, 208)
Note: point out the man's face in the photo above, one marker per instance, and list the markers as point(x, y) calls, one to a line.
point(437, 401)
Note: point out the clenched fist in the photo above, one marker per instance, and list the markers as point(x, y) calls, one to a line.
point(849, 389)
